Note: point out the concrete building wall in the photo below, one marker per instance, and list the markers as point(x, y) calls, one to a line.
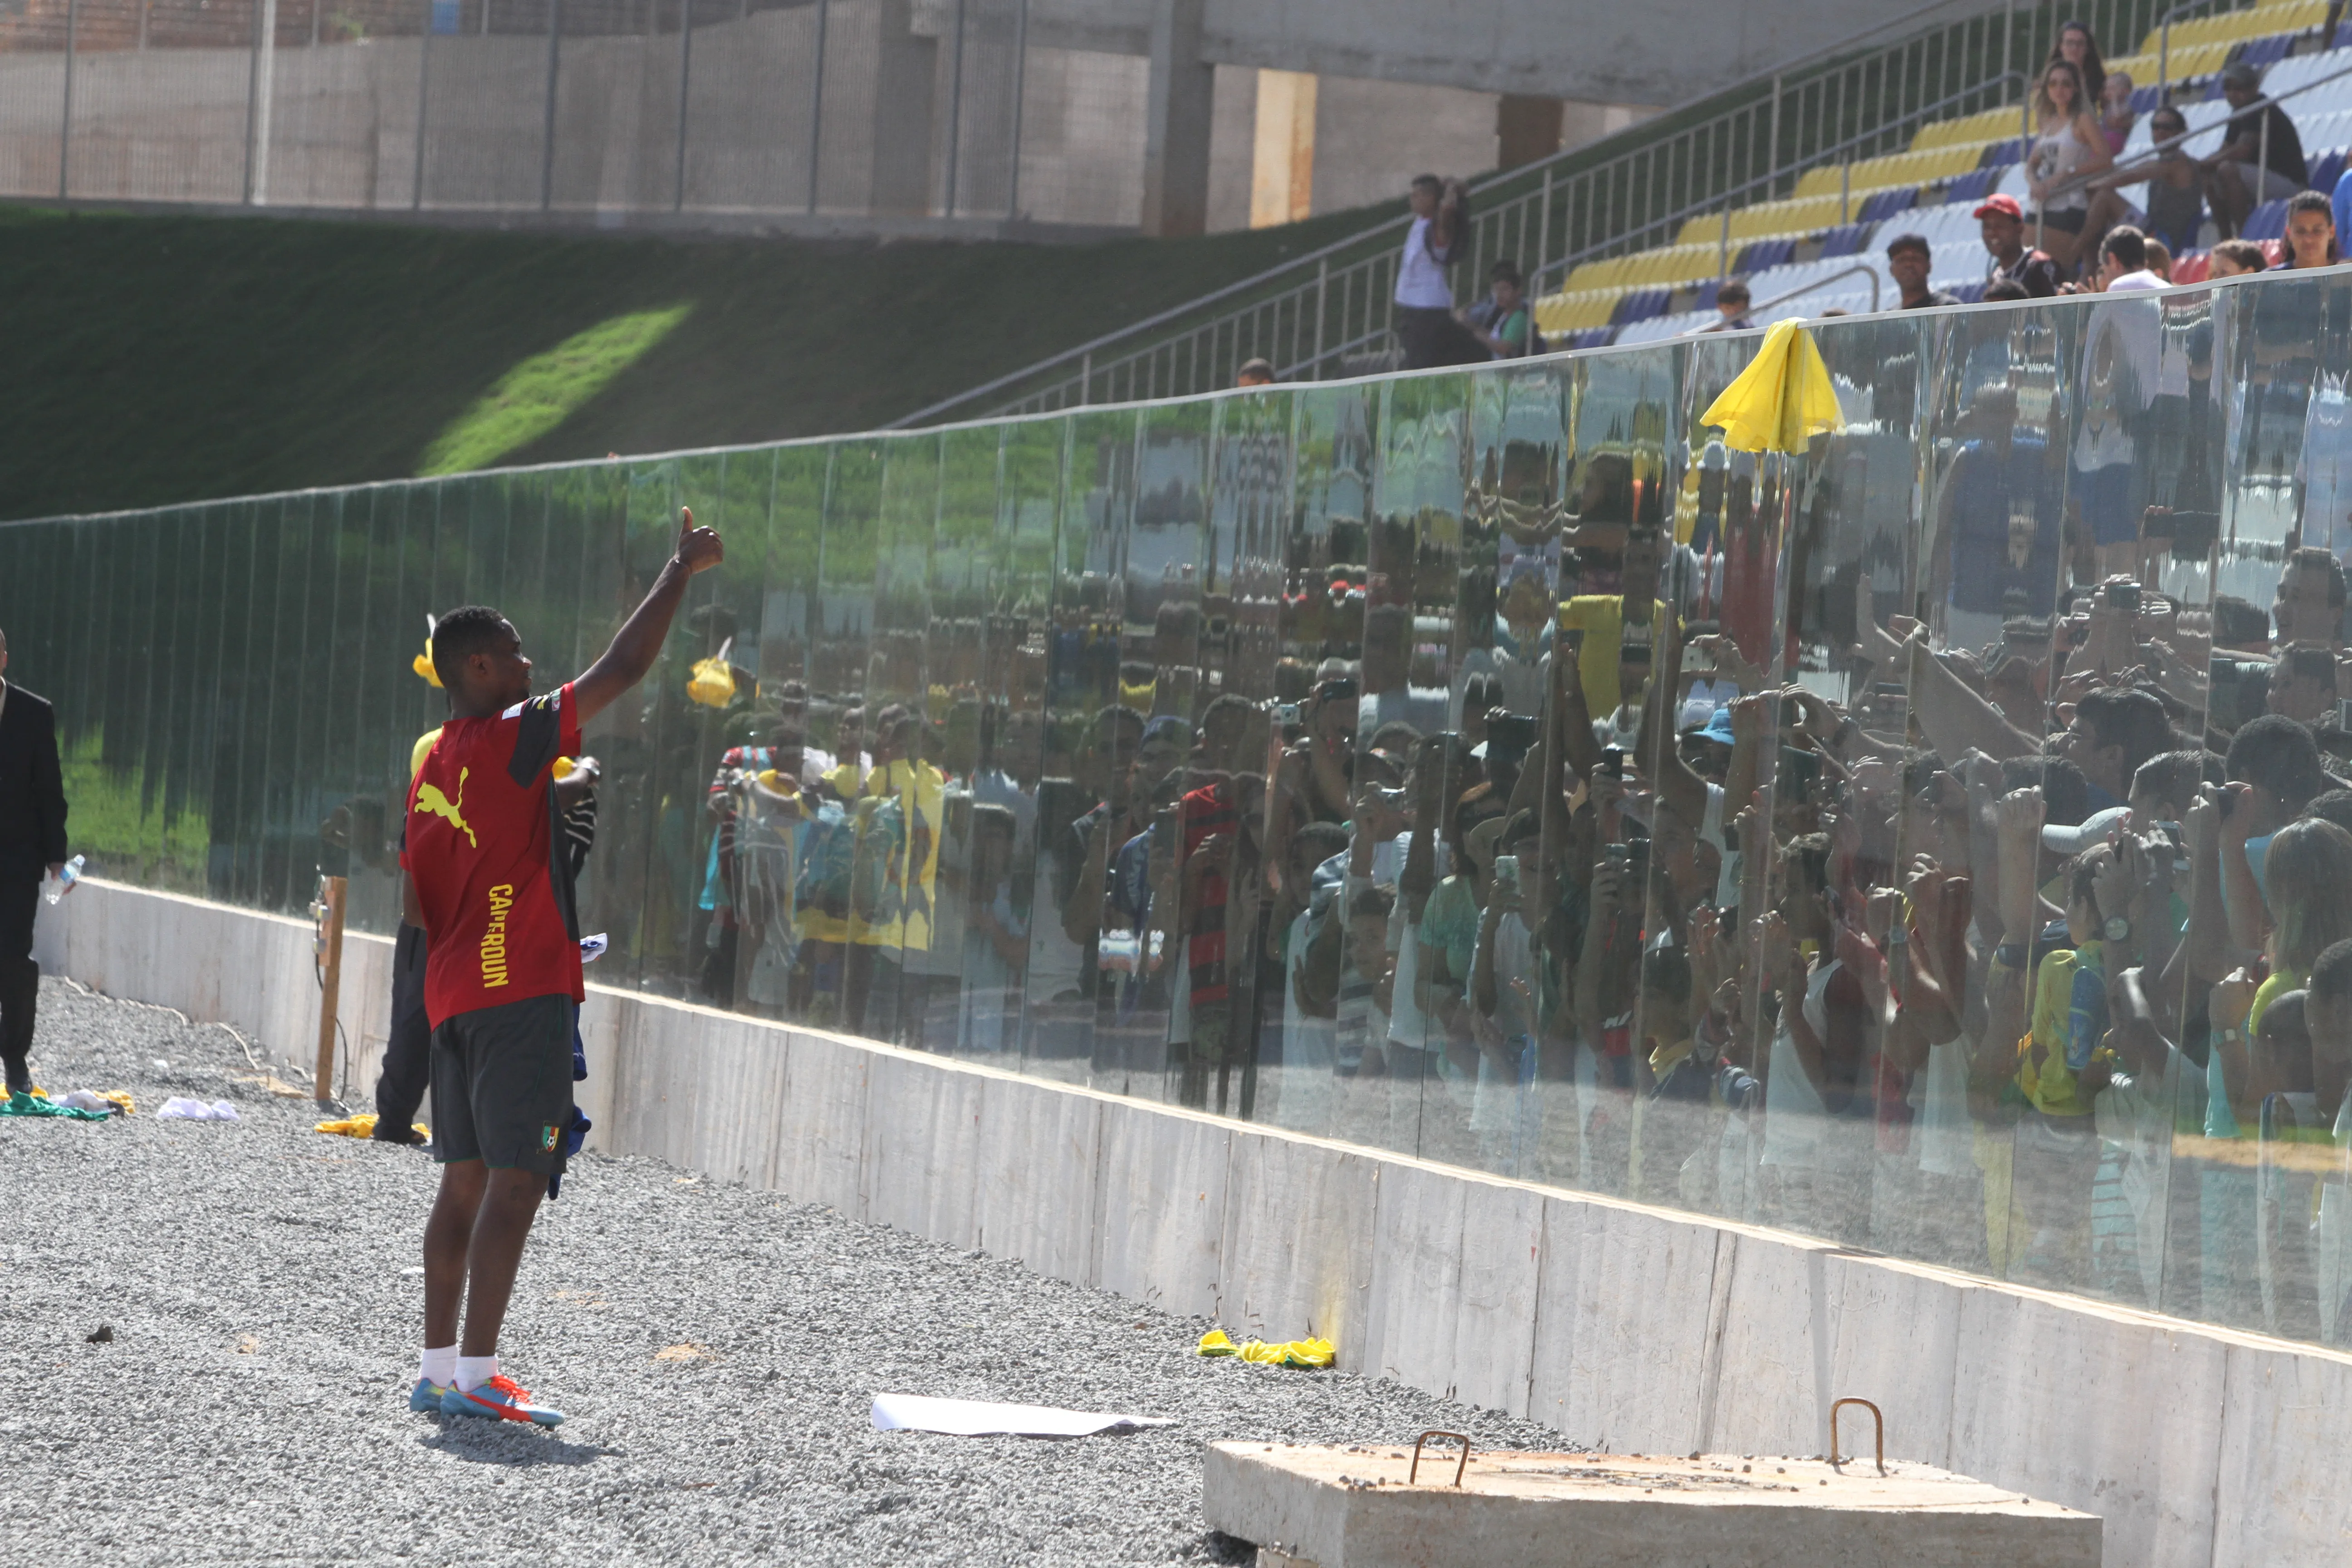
point(1633, 1328)
point(1591, 50)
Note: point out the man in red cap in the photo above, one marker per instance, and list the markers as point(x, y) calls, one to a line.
point(2002, 223)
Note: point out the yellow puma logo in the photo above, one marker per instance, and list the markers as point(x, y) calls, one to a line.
point(433, 803)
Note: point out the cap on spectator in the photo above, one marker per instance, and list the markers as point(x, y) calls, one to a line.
point(2001, 206)
point(2242, 73)
point(1903, 242)
point(2093, 829)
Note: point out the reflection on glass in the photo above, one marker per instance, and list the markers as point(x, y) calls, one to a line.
point(1929, 840)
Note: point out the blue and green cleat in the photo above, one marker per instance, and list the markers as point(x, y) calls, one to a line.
point(500, 1399)
point(427, 1397)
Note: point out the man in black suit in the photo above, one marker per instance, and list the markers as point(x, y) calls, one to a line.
point(32, 840)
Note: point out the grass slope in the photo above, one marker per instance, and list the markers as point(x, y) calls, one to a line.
point(159, 359)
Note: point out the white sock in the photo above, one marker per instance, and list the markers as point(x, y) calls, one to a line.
point(473, 1370)
point(437, 1367)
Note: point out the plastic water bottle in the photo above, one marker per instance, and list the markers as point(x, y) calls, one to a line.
point(64, 879)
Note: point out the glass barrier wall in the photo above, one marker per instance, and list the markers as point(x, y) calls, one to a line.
point(1932, 840)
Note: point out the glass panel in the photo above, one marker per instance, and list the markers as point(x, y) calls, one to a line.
point(1929, 840)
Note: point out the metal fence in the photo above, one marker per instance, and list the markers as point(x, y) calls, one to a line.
point(816, 107)
point(1329, 313)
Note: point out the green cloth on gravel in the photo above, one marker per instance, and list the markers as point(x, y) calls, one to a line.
point(23, 1104)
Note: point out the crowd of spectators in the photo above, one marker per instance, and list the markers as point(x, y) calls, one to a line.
point(2053, 241)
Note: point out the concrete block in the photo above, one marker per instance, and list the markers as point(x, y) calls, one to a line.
point(1621, 1312)
point(1455, 1262)
point(922, 1135)
point(2065, 1398)
point(1034, 1173)
point(2286, 1425)
point(820, 1129)
point(1159, 1206)
point(1895, 1335)
point(1364, 1508)
point(1298, 1241)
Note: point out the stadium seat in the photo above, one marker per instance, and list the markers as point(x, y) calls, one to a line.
point(1974, 185)
point(2267, 221)
point(1640, 305)
point(1911, 169)
point(1558, 313)
point(2195, 266)
point(2327, 169)
point(1591, 338)
point(2260, 52)
point(2274, 252)
point(1985, 125)
point(1766, 220)
point(1847, 240)
point(1886, 203)
point(1763, 253)
point(1996, 154)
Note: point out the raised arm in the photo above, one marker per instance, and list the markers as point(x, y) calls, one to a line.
point(638, 643)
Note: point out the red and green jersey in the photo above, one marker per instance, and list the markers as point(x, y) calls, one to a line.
point(498, 917)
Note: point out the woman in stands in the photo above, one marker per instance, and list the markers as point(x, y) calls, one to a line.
point(1424, 294)
point(2310, 231)
point(2070, 146)
point(2079, 47)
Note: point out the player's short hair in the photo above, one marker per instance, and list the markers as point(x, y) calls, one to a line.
point(460, 635)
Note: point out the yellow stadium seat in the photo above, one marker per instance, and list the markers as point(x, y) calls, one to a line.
point(2232, 26)
point(1896, 169)
point(2188, 60)
point(1797, 214)
point(1975, 130)
point(1646, 268)
point(1575, 312)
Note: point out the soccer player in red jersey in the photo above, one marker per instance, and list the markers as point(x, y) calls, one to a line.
point(491, 886)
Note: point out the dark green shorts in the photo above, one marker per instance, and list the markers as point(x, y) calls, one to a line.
point(502, 1085)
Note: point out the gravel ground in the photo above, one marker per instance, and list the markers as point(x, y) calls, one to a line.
point(262, 1286)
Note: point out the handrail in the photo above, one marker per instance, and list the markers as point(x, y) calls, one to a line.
point(1080, 357)
point(1682, 216)
point(1864, 268)
point(1631, 137)
point(1724, 197)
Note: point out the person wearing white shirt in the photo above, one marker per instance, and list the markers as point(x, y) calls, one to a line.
point(2122, 262)
point(1425, 295)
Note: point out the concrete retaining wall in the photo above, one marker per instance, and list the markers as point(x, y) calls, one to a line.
point(1636, 1329)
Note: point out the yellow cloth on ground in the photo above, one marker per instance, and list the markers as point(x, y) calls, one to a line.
point(361, 1126)
point(1781, 400)
point(1308, 1352)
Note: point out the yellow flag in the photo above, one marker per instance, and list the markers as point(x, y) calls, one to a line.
point(1781, 400)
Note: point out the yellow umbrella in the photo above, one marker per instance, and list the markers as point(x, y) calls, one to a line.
point(1781, 400)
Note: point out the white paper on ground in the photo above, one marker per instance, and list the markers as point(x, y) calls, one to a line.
point(981, 1417)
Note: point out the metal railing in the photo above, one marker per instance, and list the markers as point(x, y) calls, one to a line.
point(1864, 268)
point(1315, 316)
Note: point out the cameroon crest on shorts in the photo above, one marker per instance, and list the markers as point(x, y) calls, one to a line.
point(547, 1139)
